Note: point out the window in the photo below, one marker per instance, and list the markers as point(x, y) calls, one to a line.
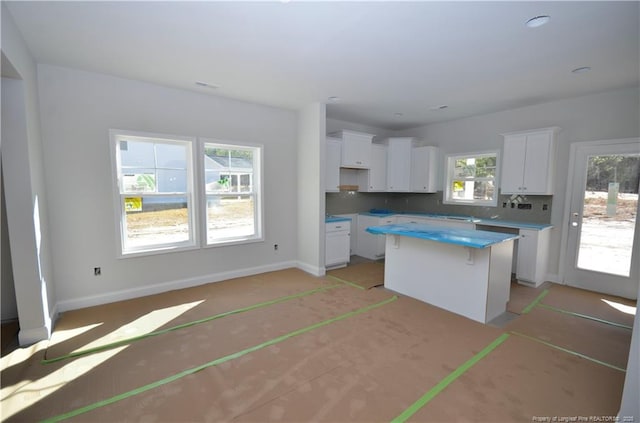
point(155, 192)
point(471, 179)
point(158, 204)
point(232, 181)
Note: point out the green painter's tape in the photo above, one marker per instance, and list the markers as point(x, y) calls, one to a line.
point(422, 401)
point(216, 362)
point(184, 325)
point(586, 357)
point(585, 316)
point(348, 283)
point(535, 302)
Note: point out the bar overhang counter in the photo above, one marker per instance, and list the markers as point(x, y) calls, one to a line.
point(467, 272)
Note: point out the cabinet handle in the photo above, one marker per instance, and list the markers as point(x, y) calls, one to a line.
point(338, 227)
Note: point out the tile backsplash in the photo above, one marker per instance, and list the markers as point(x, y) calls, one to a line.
point(356, 202)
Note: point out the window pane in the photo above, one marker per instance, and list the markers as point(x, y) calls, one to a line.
point(171, 156)
point(155, 220)
point(148, 166)
point(172, 180)
point(471, 179)
point(230, 217)
point(136, 154)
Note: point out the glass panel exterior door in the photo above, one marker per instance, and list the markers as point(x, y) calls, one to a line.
point(609, 214)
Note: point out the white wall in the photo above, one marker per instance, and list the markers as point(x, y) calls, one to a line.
point(311, 177)
point(608, 115)
point(9, 306)
point(78, 108)
point(25, 192)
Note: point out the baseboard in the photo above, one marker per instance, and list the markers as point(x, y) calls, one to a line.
point(128, 294)
point(28, 337)
point(554, 278)
point(313, 270)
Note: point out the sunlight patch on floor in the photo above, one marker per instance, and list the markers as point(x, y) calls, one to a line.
point(621, 307)
point(27, 393)
point(143, 325)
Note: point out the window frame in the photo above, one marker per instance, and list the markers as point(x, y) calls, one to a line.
point(193, 242)
point(258, 192)
point(450, 160)
point(196, 193)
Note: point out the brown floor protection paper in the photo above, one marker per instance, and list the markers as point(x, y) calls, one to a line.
point(521, 379)
point(593, 339)
point(367, 367)
point(590, 303)
point(366, 275)
point(117, 321)
point(521, 296)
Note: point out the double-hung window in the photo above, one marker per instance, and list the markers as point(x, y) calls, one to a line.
point(167, 200)
point(155, 200)
point(471, 179)
point(232, 185)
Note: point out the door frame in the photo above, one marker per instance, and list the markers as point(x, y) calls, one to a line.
point(566, 216)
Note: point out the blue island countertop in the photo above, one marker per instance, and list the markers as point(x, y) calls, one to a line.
point(463, 237)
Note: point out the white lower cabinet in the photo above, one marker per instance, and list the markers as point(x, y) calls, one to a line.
point(533, 257)
point(371, 246)
point(337, 244)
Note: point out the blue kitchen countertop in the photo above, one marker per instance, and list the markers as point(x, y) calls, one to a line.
point(463, 237)
point(331, 219)
point(462, 218)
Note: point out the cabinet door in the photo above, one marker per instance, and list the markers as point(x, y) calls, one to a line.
point(332, 165)
point(527, 255)
point(424, 169)
point(375, 179)
point(537, 171)
point(399, 165)
point(336, 248)
point(515, 147)
point(356, 150)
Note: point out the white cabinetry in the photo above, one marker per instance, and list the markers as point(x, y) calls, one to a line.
point(533, 257)
point(424, 169)
point(371, 246)
point(399, 164)
point(529, 162)
point(375, 178)
point(332, 165)
point(337, 244)
point(356, 149)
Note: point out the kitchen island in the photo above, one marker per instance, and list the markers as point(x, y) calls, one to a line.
point(467, 272)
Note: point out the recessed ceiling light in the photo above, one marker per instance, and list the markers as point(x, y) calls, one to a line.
point(333, 99)
point(397, 114)
point(583, 69)
point(206, 85)
point(538, 21)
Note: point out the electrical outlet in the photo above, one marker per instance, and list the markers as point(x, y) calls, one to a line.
point(97, 271)
point(275, 247)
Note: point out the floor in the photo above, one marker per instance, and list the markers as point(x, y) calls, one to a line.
point(288, 347)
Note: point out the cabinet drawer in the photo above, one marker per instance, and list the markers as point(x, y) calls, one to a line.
point(337, 226)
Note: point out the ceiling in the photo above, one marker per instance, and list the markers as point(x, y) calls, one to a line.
point(391, 64)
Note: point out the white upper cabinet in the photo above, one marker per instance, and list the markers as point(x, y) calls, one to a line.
point(356, 149)
point(528, 162)
point(332, 165)
point(424, 169)
point(399, 164)
point(374, 179)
